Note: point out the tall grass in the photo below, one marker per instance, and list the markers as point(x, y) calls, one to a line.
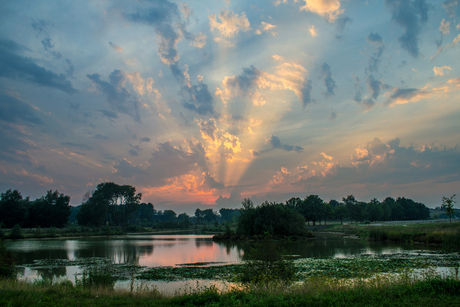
point(404, 290)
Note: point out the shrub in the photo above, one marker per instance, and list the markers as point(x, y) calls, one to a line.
point(7, 267)
point(16, 232)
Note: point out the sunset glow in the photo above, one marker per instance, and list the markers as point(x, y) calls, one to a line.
point(202, 103)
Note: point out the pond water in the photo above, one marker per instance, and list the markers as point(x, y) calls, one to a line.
point(172, 250)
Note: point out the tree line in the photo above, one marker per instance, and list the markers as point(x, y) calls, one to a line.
point(51, 210)
point(120, 206)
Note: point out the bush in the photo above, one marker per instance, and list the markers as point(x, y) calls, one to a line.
point(16, 232)
point(7, 267)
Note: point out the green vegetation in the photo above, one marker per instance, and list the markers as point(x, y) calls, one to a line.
point(445, 234)
point(51, 210)
point(314, 292)
point(7, 269)
point(448, 206)
point(110, 204)
point(272, 218)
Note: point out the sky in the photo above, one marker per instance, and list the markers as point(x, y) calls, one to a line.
point(199, 104)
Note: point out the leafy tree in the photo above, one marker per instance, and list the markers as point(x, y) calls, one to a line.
point(228, 214)
point(293, 202)
point(169, 215)
point(327, 212)
point(374, 211)
point(448, 204)
point(110, 203)
point(51, 210)
point(354, 208)
point(272, 218)
point(311, 208)
point(334, 204)
point(247, 203)
point(13, 209)
point(209, 215)
point(340, 212)
point(184, 220)
point(199, 215)
point(7, 267)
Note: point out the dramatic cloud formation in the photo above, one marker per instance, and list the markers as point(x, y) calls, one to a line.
point(203, 103)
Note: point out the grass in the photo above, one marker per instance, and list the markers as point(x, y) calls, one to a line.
point(382, 291)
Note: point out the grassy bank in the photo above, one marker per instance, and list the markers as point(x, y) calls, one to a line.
point(445, 234)
point(313, 292)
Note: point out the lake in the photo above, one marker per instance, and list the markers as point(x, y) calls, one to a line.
point(173, 250)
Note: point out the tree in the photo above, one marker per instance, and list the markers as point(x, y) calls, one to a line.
point(110, 202)
point(327, 212)
point(311, 208)
point(228, 214)
point(272, 218)
point(448, 206)
point(13, 209)
point(374, 211)
point(51, 210)
point(354, 208)
point(340, 212)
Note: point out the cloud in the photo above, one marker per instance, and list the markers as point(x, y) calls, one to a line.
point(313, 31)
point(208, 129)
point(15, 111)
point(166, 20)
point(250, 83)
point(305, 91)
point(137, 81)
point(166, 163)
point(444, 27)
point(145, 139)
point(212, 183)
point(326, 73)
point(15, 66)
point(454, 42)
point(451, 7)
point(325, 8)
point(377, 42)
point(276, 143)
point(116, 47)
point(230, 23)
point(109, 114)
point(392, 164)
point(374, 86)
point(198, 98)
point(48, 45)
point(266, 27)
point(341, 26)
point(405, 95)
point(439, 71)
point(118, 96)
point(234, 200)
point(199, 41)
point(451, 45)
point(410, 15)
